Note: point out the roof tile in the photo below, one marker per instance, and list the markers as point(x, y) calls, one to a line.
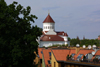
point(51, 38)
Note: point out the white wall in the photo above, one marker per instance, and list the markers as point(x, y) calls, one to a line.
point(50, 25)
point(50, 43)
point(90, 56)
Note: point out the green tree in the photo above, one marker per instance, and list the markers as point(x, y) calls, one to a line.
point(74, 41)
point(17, 37)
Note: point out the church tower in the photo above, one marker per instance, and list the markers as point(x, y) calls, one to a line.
point(48, 23)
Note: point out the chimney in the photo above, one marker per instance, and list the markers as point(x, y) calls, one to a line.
point(77, 48)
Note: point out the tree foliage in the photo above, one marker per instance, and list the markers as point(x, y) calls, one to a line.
point(17, 37)
point(86, 42)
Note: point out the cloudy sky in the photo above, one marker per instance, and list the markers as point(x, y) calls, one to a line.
point(75, 17)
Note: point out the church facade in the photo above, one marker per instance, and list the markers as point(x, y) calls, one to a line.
point(50, 36)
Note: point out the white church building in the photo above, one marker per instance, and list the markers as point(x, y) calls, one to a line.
point(50, 36)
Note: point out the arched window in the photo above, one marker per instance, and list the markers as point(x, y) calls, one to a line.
point(50, 27)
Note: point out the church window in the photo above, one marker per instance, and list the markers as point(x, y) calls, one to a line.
point(48, 27)
point(52, 27)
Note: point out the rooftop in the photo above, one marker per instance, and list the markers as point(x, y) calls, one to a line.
point(48, 19)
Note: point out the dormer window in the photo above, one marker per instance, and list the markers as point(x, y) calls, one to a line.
point(86, 56)
point(98, 56)
point(49, 53)
point(49, 62)
point(41, 52)
point(79, 56)
point(72, 54)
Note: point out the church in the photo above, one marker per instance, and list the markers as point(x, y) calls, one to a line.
point(50, 36)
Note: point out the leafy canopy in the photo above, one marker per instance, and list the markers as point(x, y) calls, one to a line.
point(17, 37)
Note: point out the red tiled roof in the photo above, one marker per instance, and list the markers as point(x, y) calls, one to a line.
point(62, 33)
point(39, 52)
point(84, 52)
point(48, 19)
point(98, 52)
point(60, 54)
point(46, 56)
point(72, 51)
point(51, 38)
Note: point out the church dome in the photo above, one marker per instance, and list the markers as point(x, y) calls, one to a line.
point(48, 19)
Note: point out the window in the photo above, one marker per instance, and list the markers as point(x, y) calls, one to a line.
point(79, 56)
point(40, 60)
point(50, 27)
point(38, 56)
point(98, 56)
point(41, 52)
point(49, 62)
point(86, 56)
point(54, 64)
point(72, 54)
point(49, 53)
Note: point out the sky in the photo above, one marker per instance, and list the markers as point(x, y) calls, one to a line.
point(75, 17)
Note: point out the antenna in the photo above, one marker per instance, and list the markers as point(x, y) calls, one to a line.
point(48, 12)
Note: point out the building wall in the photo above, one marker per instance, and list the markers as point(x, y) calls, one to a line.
point(90, 56)
point(53, 60)
point(48, 26)
point(43, 62)
point(50, 43)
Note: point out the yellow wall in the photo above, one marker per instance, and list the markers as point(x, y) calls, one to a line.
point(54, 60)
